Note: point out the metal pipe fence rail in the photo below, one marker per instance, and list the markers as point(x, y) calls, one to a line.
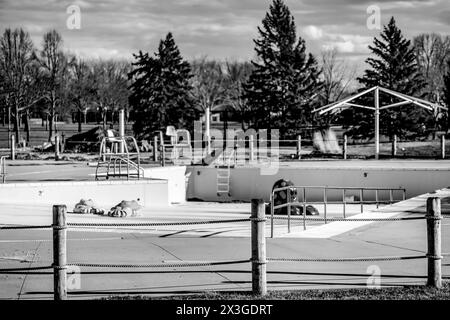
point(258, 258)
point(343, 142)
point(252, 144)
point(293, 190)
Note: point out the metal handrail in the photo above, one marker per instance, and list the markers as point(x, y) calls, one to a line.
point(325, 201)
point(128, 163)
point(339, 188)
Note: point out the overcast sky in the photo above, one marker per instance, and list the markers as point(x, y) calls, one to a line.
point(216, 28)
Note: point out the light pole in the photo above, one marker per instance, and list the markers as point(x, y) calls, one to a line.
point(207, 129)
point(377, 123)
point(122, 129)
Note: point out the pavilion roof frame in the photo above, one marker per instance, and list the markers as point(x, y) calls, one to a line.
point(405, 99)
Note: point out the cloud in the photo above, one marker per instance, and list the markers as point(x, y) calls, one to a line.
point(216, 28)
point(313, 32)
point(347, 43)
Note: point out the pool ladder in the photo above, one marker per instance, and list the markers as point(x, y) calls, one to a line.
point(224, 173)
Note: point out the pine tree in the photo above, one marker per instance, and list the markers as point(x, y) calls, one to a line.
point(393, 67)
point(283, 83)
point(160, 90)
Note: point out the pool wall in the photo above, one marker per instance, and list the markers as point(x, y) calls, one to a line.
point(247, 182)
point(151, 193)
point(176, 178)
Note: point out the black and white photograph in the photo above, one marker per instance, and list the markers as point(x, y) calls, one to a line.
point(224, 158)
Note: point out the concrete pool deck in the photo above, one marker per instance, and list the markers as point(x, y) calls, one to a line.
point(23, 250)
point(25, 214)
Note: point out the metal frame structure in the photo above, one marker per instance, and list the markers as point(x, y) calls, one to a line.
point(404, 99)
point(325, 201)
point(116, 159)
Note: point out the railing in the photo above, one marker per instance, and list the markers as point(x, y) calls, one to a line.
point(325, 202)
point(3, 168)
point(118, 164)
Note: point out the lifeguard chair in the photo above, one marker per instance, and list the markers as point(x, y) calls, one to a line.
point(182, 149)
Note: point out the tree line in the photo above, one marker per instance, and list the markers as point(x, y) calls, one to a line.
point(278, 89)
point(53, 82)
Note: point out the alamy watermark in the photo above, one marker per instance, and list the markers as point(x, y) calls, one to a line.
point(374, 280)
point(208, 148)
point(73, 277)
point(73, 21)
point(373, 21)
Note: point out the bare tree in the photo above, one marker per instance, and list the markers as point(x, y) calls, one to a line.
point(237, 74)
point(16, 59)
point(111, 86)
point(54, 64)
point(432, 52)
point(81, 88)
point(208, 84)
point(35, 89)
point(337, 75)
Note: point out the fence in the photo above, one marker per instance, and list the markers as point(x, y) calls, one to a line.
point(58, 143)
point(258, 258)
point(256, 149)
point(293, 190)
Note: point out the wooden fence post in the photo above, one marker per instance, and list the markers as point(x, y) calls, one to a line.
point(59, 252)
point(63, 142)
point(259, 278)
point(299, 146)
point(13, 147)
point(251, 142)
point(163, 154)
point(434, 242)
point(394, 146)
point(103, 151)
point(155, 148)
point(345, 147)
point(443, 147)
point(56, 148)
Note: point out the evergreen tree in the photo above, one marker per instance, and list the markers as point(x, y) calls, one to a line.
point(393, 67)
point(282, 86)
point(160, 90)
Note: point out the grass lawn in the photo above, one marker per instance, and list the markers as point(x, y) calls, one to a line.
point(391, 293)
